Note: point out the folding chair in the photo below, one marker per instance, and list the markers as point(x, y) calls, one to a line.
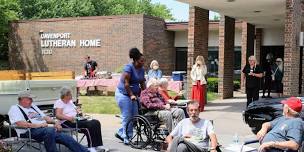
point(73, 131)
point(21, 140)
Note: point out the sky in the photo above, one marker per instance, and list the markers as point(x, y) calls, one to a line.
point(179, 10)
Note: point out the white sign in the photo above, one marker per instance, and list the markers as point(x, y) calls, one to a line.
point(63, 40)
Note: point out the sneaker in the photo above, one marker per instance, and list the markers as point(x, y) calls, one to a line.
point(103, 148)
point(92, 149)
point(119, 137)
point(126, 141)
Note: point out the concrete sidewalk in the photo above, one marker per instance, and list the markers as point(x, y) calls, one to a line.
point(226, 114)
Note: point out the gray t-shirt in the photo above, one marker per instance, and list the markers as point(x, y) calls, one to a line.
point(285, 129)
point(199, 131)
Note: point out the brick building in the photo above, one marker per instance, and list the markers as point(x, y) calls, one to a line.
point(61, 44)
point(278, 19)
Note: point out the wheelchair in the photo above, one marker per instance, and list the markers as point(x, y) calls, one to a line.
point(147, 130)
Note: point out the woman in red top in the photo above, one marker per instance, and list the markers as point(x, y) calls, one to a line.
point(163, 90)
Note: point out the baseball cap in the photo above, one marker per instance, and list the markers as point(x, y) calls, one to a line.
point(293, 103)
point(25, 94)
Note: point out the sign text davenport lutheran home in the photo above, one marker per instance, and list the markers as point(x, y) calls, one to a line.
point(63, 40)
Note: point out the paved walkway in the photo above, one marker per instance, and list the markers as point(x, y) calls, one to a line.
point(226, 114)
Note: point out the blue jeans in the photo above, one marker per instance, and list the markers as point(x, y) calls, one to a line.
point(128, 109)
point(50, 136)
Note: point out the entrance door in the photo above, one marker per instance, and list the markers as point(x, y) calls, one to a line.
point(181, 59)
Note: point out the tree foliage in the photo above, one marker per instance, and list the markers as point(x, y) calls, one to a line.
point(42, 9)
point(9, 10)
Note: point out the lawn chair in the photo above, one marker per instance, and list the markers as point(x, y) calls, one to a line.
point(24, 141)
point(73, 131)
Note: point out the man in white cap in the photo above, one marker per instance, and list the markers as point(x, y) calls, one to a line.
point(285, 132)
point(27, 115)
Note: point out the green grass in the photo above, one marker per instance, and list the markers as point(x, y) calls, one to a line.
point(211, 96)
point(107, 104)
point(99, 104)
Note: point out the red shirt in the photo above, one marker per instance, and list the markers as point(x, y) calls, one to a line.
point(166, 96)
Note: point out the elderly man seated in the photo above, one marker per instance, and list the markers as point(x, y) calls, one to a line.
point(151, 99)
point(27, 115)
point(285, 132)
point(192, 134)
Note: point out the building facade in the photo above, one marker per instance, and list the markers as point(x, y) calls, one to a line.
point(62, 44)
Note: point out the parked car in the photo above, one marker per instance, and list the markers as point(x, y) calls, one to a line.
point(264, 110)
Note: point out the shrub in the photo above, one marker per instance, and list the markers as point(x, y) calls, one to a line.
point(213, 84)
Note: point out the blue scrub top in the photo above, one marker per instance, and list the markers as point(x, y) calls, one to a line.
point(136, 76)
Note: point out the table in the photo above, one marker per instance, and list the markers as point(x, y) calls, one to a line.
point(175, 86)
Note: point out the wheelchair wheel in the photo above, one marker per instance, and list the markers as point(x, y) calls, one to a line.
point(142, 133)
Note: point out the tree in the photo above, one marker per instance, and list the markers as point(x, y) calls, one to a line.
point(9, 10)
point(38, 9)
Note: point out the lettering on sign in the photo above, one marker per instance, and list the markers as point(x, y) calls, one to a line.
point(46, 52)
point(63, 40)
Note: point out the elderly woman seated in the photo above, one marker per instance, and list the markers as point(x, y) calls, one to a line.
point(163, 91)
point(67, 113)
point(151, 99)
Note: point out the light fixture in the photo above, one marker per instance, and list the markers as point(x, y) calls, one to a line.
point(257, 11)
point(230, 0)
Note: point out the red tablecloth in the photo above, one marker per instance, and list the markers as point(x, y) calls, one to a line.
point(175, 86)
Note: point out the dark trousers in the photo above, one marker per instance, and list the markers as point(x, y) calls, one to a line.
point(91, 128)
point(50, 137)
point(267, 85)
point(252, 94)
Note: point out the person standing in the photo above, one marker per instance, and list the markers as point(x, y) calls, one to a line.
point(267, 68)
point(154, 72)
point(131, 83)
point(252, 76)
point(90, 67)
point(198, 72)
point(278, 76)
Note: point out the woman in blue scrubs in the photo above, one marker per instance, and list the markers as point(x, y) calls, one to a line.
point(130, 85)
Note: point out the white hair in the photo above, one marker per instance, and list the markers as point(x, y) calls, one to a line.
point(152, 82)
point(252, 58)
point(163, 81)
point(153, 63)
point(65, 91)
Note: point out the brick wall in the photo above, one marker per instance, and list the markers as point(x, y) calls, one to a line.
point(226, 56)
point(248, 32)
point(117, 33)
point(292, 49)
point(158, 44)
point(198, 29)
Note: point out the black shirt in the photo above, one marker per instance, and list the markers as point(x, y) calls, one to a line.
point(267, 69)
point(252, 81)
point(90, 66)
